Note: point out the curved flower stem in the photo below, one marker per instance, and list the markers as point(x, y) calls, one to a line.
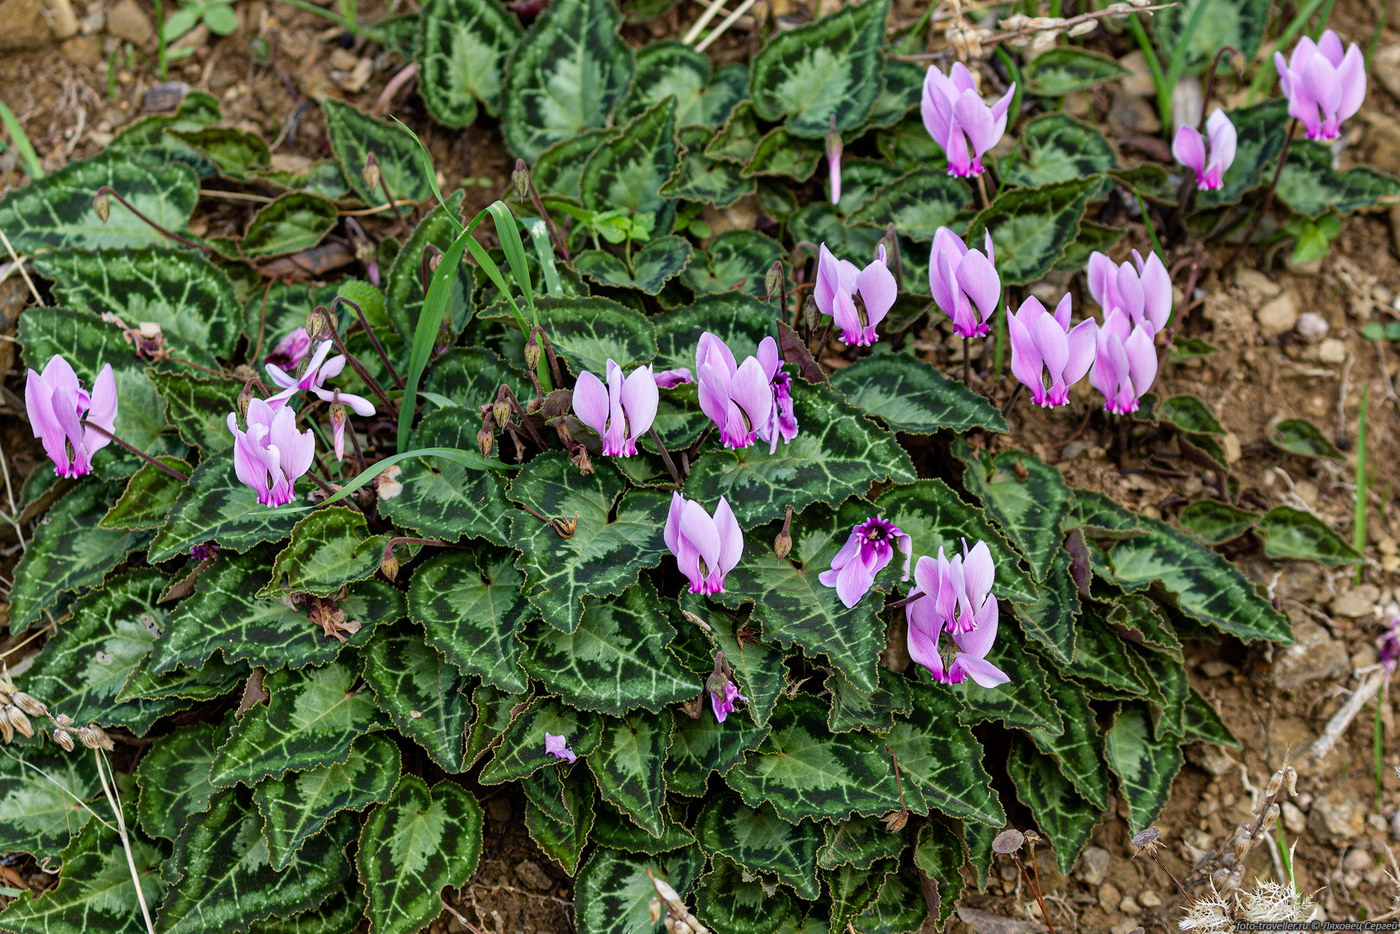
point(184, 478)
point(109, 191)
point(1011, 400)
point(354, 361)
point(534, 193)
point(967, 362)
point(373, 338)
point(666, 456)
point(1268, 197)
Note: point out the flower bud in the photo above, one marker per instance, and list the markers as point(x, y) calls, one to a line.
point(389, 563)
point(773, 279)
point(245, 397)
point(532, 352)
point(500, 411)
point(782, 545)
point(102, 206)
point(317, 323)
point(485, 439)
point(371, 173)
point(521, 179)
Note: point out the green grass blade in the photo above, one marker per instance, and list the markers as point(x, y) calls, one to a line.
point(456, 455)
point(24, 149)
point(544, 255)
point(1358, 514)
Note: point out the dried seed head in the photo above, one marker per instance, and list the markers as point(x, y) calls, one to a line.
point(102, 207)
point(520, 178)
point(371, 173)
point(1146, 838)
point(654, 909)
point(7, 732)
point(64, 739)
point(1270, 817)
point(532, 352)
point(485, 439)
point(1008, 842)
point(93, 737)
point(389, 563)
point(773, 279)
point(19, 721)
point(1083, 29)
point(896, 820)
point(500, 411)
point(782, 545)
point(582, 461)
point(64, 721)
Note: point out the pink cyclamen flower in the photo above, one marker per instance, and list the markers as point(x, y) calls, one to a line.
point(270, 455)
point(669, 379)
point(964, 282)
point(723, 693)
point(706, 547)
point(959, 121)
point(838, 285)
point(781, 424)
point(58, 407)
point(1047, 356)
point(1388, 645)
point(1143, 293)
point(558, 746)
point(312, 380)
point(622, 411)
point(738, 398)
point(866, 553)
point(960, 587)
point(924, 636)
point(1125, 362)
point(1323, 84)
point(1189, 148)
point(291, 350)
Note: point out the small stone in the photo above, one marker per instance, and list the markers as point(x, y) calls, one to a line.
point(1385, 64)
point(1294, 820)
point(1073, 450)
point(128, 21)
point(1210, 758)
point(1215, 668)
point(1255, 282)
point(1133, 114)
point(1313, 656)
point(1129, 906)
point(1125, 927)
point(1109, 896)
point(1332, 350)
point(1358, 602)
point(1338, 816)
point(1150, 899)
point(82, 50)
point(22, 24)
point(1233, 449)
point(533, 875)
point(1093, 865)
point(1278, 315)
point(1139, 79)
point(164, 96)
point(1357, 860)
point(1364, 657)
point(1311, 327)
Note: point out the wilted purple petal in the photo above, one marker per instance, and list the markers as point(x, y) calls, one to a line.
point(558, 746)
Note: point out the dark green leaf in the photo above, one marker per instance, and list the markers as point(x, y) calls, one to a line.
point(782, 153)
point(521, 750)
point(237, 154)
point(938, 853)
point(1063, 817)
point(855, 709)
point(42, 799)
point(733, 903)
point(1025, 495)
point(189, 297)
point(605, 552)
point(173, 777)
point(625, 173)
point(830, 68)
point(329, 548)
point(1057, 72)
point(852, 891)
point(1292, 533)
point(912, 396)
point(226, 881)
point(698, 177)
point(673, 69)
point(198, 408)
point(1236, 23)
point(1077, 751)
point(1203, 723)
point(354, 135)
point(1059, 148)
point(1024, 702)
point(422, 693)
point(561, 825)
point(1188, 414)
point(149, 496)
point(298, 806)
point(216, 506)
point(463, 46)
point(616, 660)
point(312, 718)
point(1260, 129)
point(296, 221)
point(736, 260)
point(738, 138)
point(57, 210)
point(1297, 436)
point(1214, 522)
point(615, 831)
point(1145, 767)
point(588, 332)
point(917, 203)
point(761, 842)
point(859, 841)
point(613, 890)
point(1031, 227)
point(703, 745)
point(412, 847)
point(652, 266)
point(471, 607)
point(940, 761)
point(627, 765)
point(567, 75)
point(405, 290)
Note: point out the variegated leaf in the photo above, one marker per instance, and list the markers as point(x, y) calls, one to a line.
point(940, 761)
point(471, 607)
point(613, 891)
point(422, 693)
point(911, 396)
point(627, 764)
point(463, 46)
point(761, 842)
point(174, 779)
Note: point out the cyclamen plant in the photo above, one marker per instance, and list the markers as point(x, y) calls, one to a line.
point(613, 473)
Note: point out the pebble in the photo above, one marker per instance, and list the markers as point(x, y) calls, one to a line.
point(1357, 860)
point(22, 24)
point(1150, 899)
point(1139, 79)
point(1338, 816)
point(1358, 602)
point(1129, 906)
point(1332, 350)
point(1311, 327)
point(1093, 865)
point(1385, 64)
point(1278, 315)
point(1294, 820)
point(1233, 449)
point(128, 21)
point(1215, 668)
point(1254, 281)
point(1314, 656)
point(533, 875)
point(1073, 450)
point(1109, 896)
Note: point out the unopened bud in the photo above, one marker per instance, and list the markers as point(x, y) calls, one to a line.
point(500, 411)
point(371, 173)
point(245, 397)
point(389, 563)
point(773, 279)
point(64, 740)
point(1083, 29)
point(102, 206)
point(317, 322)
point(485, 440)
point(521, 179)
point(532, 352)
point(782, 545)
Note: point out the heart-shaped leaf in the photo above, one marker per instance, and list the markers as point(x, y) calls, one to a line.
point(463, 46)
